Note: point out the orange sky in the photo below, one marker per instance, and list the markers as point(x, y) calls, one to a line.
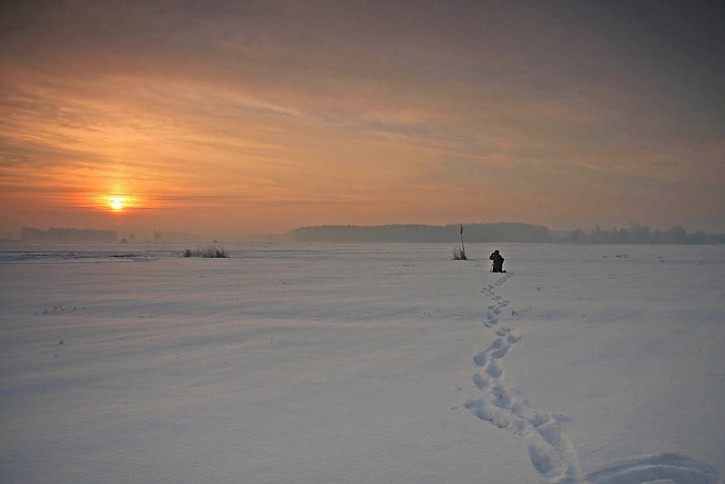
point(250, 117)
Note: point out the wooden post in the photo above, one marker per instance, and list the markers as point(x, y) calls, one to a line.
point(463, 247)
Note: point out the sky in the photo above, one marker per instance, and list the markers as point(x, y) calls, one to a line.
point(241, 116)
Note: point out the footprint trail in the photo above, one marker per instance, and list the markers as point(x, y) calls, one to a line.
point(550, 451)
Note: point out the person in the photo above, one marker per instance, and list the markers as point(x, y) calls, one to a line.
point(497, 259)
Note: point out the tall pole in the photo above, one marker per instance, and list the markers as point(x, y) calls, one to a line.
point(463, 248)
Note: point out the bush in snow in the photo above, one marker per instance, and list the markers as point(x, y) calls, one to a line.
point(211, 251)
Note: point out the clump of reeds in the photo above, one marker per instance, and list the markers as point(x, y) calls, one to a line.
point(459, 254)
point(211, 251)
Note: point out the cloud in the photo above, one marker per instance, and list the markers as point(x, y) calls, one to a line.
point(270, 104)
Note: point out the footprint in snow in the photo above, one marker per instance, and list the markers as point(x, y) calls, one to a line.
point(551, 452)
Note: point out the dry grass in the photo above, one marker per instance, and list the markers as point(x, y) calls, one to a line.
point(211, 251)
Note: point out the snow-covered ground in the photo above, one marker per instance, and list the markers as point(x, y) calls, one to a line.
point(362, 364)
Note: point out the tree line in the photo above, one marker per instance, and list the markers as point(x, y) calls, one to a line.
point(501, 232)
point(495, 232)
point(641, 234)
point(54, 234)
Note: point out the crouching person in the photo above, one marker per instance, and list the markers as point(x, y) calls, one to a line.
point(497, 259)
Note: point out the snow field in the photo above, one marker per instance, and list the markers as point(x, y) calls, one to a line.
point(371, 363)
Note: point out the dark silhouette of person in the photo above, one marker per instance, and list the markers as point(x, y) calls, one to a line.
point(497, 261)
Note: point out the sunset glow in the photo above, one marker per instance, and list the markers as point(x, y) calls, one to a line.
point(117, 203)
point(265, 116)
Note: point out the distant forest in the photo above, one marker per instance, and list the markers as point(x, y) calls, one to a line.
point(642, 234)
point(504, 232)
point(490, 232)
point(73, 235)
point(54, 234)
point(501, 232)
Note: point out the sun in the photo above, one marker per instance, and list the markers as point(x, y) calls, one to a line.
point(117, 204)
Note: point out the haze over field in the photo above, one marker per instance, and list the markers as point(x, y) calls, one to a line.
point(258, 116)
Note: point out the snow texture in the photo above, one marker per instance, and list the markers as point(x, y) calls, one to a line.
point(362, 364)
